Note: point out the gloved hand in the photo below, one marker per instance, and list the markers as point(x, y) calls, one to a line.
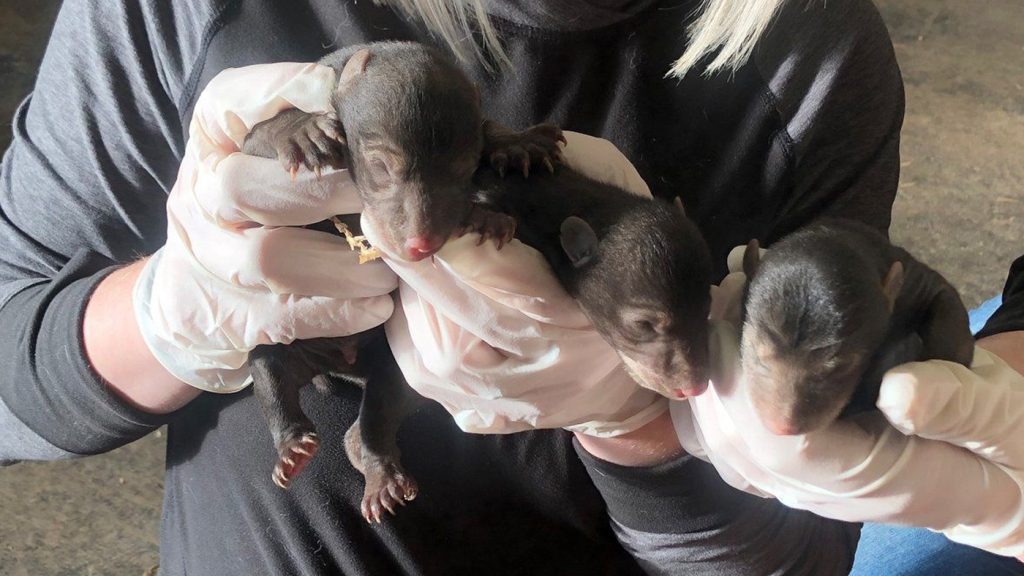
point(945, 452)
point(494, 338)
point(235, 272)
point(980, 409)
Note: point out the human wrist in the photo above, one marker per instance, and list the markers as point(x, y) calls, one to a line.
point(221, 371)
point(651, 444)
point(648, 498)
point(117, 352)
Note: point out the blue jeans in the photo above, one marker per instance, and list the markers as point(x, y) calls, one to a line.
point(896, 551)
point(982, 313)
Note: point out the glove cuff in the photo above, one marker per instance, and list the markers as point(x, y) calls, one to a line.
point(211, 371)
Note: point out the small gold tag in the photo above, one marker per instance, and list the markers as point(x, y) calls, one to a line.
point(367, 253)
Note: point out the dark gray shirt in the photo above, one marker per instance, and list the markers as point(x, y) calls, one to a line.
point(809, 127)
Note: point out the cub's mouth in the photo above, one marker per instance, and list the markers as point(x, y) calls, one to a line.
point(673, 386)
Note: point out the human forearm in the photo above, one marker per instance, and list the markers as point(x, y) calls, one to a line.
point(119, 355)
point(51, 390)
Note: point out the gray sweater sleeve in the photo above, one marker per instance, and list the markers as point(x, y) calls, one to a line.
point(82, 190)
point(679, 517)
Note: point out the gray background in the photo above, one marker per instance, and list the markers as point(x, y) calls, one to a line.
point(960, 208)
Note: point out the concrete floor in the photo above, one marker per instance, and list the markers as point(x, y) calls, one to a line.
point(961, 200)
point(960, 208)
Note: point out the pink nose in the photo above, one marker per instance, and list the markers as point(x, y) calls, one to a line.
point(693, 390)
point(420, 247)
point(782, 428)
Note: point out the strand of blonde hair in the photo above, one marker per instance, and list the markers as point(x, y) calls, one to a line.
point(728, 30)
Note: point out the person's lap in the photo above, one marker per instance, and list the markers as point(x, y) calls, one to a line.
point(899, 551)
point(980, 315)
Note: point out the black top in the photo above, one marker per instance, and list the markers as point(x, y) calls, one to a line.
point(809, 127)
point(1010, 315)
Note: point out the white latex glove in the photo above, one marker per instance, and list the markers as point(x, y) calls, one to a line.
point(493, 337)
point(235, 272)
point(980, 408)
point(953, 465)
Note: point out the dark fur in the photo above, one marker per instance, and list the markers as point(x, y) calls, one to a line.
point(819, 330)
point(407, 125)
point(644, 284)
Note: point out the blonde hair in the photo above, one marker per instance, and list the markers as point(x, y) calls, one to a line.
point(727, 29)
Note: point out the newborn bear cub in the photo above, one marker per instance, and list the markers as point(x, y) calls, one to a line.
point(637, 266)
point(407, 124)
point(408, 127)
point(828, 310)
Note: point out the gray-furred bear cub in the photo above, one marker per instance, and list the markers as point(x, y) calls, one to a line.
point(828, 310)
